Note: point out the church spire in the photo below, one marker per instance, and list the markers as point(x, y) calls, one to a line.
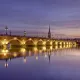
point(49, 33)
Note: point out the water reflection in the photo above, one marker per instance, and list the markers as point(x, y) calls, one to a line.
point(46, 51)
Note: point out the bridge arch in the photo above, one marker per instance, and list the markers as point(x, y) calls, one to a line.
point(49, 42)
point(30, 42)
point(40, 42)
point(14, 41)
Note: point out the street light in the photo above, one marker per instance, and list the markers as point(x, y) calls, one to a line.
point(24, 33)
point(6, 28)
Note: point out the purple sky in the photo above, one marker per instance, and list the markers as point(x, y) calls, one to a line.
point(62, 15)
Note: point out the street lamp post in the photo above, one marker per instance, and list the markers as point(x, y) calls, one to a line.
point(6, 28)
point(24, 33)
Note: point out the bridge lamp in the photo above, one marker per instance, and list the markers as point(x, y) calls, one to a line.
point(6, 28)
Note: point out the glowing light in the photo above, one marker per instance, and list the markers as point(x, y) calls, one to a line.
point(15, 38)
point(51, 43)
point(60, 47)
point(40, 40)
point(56, 42)
point(4, 51)
point(5, 54)
point(35, 43)
point(15, 54)
point(60, 43)
point(44, 48)
point(67, 43)
point(22, 50)
point(30, 39)
point(24, 60)
point(23, 42)
point(44, 42)
point(4, 41)
point(50, 47)
point(6, 65)
point(36, 57)
point(47, 40)
point(35, 49)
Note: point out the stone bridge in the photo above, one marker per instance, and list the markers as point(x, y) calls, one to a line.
point(33, 41)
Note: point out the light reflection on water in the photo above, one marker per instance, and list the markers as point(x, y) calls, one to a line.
point(40, 63)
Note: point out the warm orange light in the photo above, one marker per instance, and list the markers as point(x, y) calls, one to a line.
point(44, 42)
point(15, 54)
point(44, 48)
point(51, 48)
point(22, 50)
point(50, 42)
point(35, 49)
point(23, 42)
point(30, 39)
point(4, 51)
point(4, 41)
point(15, 38)
point(35, 43)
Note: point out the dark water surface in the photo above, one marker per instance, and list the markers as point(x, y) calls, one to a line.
point(40, 64)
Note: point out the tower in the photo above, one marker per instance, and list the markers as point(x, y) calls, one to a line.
point(49, 33)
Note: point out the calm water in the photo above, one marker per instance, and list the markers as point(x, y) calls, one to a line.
point(40, 64)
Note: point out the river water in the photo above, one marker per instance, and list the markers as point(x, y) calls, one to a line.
point(43, 63)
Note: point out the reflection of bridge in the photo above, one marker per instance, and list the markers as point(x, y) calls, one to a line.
point(45, 51)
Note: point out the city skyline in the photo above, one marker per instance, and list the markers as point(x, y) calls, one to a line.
point(62, 15)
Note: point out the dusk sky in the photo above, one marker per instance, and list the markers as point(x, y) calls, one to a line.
point(62, 15)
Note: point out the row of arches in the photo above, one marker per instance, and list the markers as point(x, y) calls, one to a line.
point(31, 42)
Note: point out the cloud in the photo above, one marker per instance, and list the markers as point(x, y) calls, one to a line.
point(38, 14)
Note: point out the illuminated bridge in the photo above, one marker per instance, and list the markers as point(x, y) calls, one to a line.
point(8, 41)
point(23, 41)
